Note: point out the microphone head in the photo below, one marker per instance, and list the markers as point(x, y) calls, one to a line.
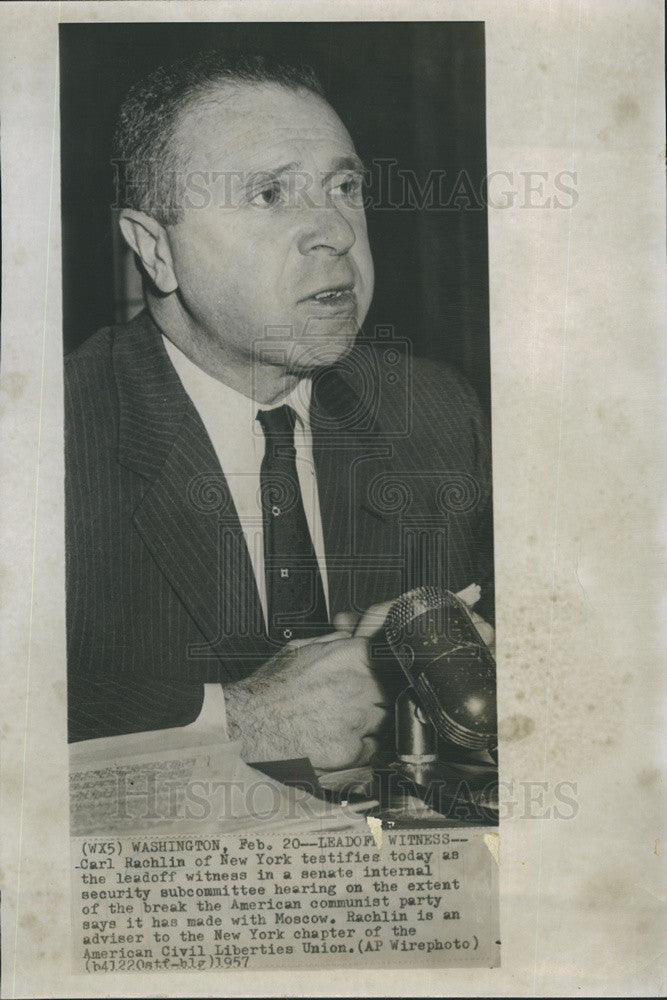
point(432, 635)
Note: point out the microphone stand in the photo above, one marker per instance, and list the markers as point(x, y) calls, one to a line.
point(431, 775)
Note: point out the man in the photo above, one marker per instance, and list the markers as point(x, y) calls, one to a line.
point(240, 473)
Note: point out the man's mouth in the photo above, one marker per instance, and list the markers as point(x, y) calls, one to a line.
point(336, 299)
point(331, 295)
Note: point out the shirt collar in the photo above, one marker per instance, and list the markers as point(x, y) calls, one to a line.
point(206, 392)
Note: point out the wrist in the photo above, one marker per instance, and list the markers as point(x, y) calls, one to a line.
point(239, 715)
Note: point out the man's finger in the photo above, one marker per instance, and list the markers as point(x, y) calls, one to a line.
point(485, 630)
point(329, 637)
point(369, 747)
point(372, 620)
point(346, 621)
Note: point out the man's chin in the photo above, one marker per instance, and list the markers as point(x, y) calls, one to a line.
point(324, 357)
point(320, 349)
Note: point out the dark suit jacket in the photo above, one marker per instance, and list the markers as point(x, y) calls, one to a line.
point(161, 596)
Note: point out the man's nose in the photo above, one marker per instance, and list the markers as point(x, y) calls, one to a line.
point(326, 228)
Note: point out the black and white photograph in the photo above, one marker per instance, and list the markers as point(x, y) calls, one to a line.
point(331, 396)
point(278, 454)
point(278, 482)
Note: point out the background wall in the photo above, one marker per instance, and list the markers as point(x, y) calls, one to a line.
point(410, 92)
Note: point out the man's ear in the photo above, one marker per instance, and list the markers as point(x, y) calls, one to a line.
point(148, 239)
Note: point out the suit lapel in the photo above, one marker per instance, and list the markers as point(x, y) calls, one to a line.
point(361, 541)
point(186, 516)
point(189, 523)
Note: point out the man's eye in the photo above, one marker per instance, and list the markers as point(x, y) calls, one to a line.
point(268, 196)
point(350, 188)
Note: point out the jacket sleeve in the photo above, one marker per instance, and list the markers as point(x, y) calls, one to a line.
point(108, 692)
point(128, 704)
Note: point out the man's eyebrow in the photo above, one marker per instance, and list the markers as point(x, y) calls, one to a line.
point(262, 174)
point(351, 162)
point(275, 171)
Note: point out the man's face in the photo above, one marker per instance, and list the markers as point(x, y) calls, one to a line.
point(271, 256)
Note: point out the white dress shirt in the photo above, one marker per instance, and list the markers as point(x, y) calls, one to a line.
point(238, 440)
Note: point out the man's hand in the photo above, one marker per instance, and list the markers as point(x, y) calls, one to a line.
point(316, 698)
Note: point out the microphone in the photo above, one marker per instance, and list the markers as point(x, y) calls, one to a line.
point(432, 635)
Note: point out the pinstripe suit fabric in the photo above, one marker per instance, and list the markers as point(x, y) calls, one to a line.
point(161, 596)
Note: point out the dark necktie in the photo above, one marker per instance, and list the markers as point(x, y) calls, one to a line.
point(296, 607)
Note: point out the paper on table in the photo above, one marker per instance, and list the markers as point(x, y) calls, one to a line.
point(181, 779)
